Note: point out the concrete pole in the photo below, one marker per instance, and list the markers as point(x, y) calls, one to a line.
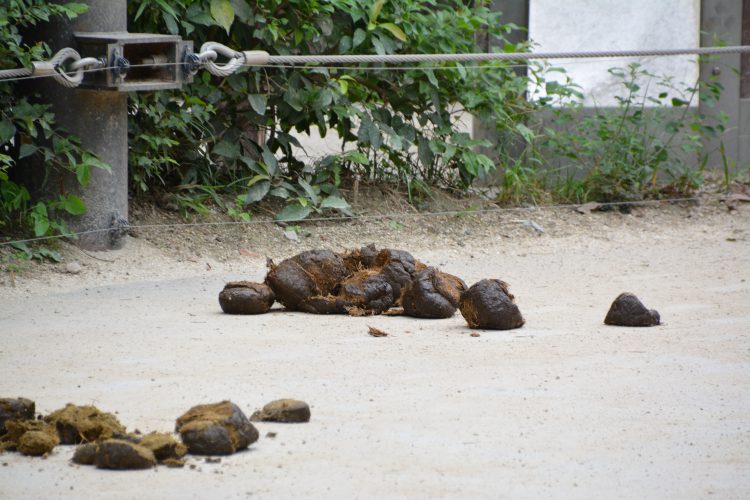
point(516, 12)
point(99, 118)
point(723, 19)
point(744, 134)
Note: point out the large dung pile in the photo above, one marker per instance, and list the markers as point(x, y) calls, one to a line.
point(369, 281)
point(216, 429)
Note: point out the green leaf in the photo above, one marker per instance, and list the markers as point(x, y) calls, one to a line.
point(40, 218)
point(258, 103)
point(7, 131)
point(140, 10)
point(486, 163)
point(424, 153)
point(527, 134)
point(375, 11)
point(83, 174)
point(77, 7)
point(343, 86)
point(27, 150)
point(676, 102)
point(470, 164)
point(336, 202)
point(227, 149)
point(23, 247)
point(450, 152)
point(431, 77)
point(41, 226)
point(258, 178)
point(242, 10)
point(73, 205)
point(292, 212)
point(358, 37)
point(379, 47)
point(47, 253)
point(309, 190)
point(357, 157)
point(92, 161)
point(171, 23)
point(395, 30)
point(374, 136)
point(272, 165)
point(257, 191)
point(223, 13)
point(280, 192)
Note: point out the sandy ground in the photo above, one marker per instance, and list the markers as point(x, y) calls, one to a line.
point(565, 407)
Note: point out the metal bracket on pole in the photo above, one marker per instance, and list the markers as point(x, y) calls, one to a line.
point(137, 61)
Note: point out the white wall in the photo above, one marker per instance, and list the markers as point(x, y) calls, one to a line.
point(590, 25)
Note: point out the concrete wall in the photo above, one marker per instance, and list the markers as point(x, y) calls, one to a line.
point(722, 20)
point(744, 154)
point(590, 25)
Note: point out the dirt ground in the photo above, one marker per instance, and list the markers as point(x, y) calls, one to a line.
point(565, 407)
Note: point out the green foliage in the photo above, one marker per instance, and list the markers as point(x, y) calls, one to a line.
point(644, 147)
point(237, 134)
point(233, 138)
point(25, 253)
point(28, 128)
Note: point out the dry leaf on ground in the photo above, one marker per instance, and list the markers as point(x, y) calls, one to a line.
point(375, 332)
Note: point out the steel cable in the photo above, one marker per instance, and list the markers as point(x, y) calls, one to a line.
point(496, 56)
point(15, 73)
point(236, 59)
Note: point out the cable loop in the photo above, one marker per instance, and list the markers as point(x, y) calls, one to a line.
point(61, 76)
point(210, 51)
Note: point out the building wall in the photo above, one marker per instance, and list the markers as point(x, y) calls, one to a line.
point(591, 25)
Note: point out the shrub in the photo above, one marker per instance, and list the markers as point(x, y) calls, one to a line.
point(398, 125)
point(646, 145)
